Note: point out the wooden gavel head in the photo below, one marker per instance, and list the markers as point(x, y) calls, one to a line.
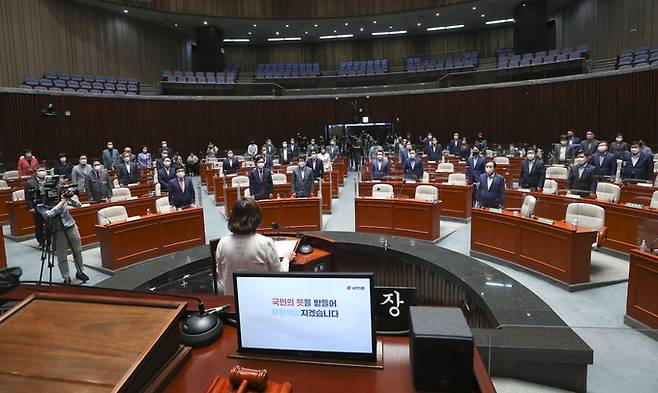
point(256, 379)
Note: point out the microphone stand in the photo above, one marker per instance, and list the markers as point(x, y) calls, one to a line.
point(304, 248)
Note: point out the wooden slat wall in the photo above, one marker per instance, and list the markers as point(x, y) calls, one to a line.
point(607, 26)
point(535, 113)
point(288, 8)
point(330, 54)
point(63, 36)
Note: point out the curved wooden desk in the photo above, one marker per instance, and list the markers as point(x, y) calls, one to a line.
point(642, 299)
point(400, 217)
point(297, 214)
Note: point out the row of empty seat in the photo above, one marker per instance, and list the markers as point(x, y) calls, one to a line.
point(82, 84)
point(224, 77)
point(468, 59)
point(542, 57)
point(287, 70)
point(363, 67)
point(640, 57)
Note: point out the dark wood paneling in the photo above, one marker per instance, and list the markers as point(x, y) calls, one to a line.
point(608, 26)
point(63, 36)
point(330, 54)
point(535, 113)
point(287, 8)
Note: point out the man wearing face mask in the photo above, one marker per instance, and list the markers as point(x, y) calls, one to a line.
point(572, 140)
point(270, 147)
point(605, 163)
point(311, 146)
point(533, 171)
point(379, 167)
point(302, 180)
point(166, 174)
point(434, 151)
point(285, 157)
point(267, 157)
point(159, 162)
point(334, 150)
point(111, 157)
point(98, 185)
point(230, 164)
point(252, 150)
point(413, 167)
point(475, 166)
point(582, 177)
point(637, 165)
point(316, 165)
point(181, 189)
point(27, 164)
point(590, 144)
point(454, 146)
point(79, 173)
point(34, 187)
point(491, 190)
point(164, 147)
point(294, 148)
point(563, 152)
point(63, 168)
point(260, 180)
point(128, 171)
point(619, 148)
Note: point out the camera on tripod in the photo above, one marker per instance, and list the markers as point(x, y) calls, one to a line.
point(53, 191)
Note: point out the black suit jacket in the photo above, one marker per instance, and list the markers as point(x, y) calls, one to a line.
point(642, 170)
point(609, 166)
point(302, 188)
point(318, 171)
point(31, 188)
point(164, 176)
point(98, 187)
point(416, 173)
point(230, 166)
point(260, 189)
point(534, 178)
point(434, 153)
point(126, 177)
point(585, 184)
point(179, 198)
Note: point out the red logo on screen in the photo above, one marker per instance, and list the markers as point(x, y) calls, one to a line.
point(349, 287)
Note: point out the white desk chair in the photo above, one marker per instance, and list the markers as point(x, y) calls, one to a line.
point(557, 172)
point(279, 178)
point(18, 195)
point(501, 160)
point(111, 214)
point(427, 193)
point(654, 200)
point(162, 205)
point(445, 167)
point(608, 192)
point(383, 191)
point(457, 178)
point(550, 187)
point(120, 194)
point(242, 181)
point(589, 216)
point(10, 175)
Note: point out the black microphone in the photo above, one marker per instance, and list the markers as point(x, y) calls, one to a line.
point(651, 249)
point(304, 247)
point(198, 329)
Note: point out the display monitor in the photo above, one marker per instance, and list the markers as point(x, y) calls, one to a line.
point(328, 315)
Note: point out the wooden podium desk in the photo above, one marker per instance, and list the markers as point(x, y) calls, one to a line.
point(21, 221)
point(456, 201)
point(636, 194)
point(128, 242)
point(627, 226)
point(279, 190)
point(642, 299)
point(297, 214)
point(396, 216)
point(205, 172)
point(5, 196)
point(557, 250)
point(18, 182)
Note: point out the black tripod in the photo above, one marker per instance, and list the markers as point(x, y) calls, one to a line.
point(48, 252)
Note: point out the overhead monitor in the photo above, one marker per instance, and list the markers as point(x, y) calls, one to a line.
point(327, 315)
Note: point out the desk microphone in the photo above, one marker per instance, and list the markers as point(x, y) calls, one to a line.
point(198, 329)
point(304, 248)
point(651, 249)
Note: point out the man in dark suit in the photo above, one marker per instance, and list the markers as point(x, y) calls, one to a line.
point(166, 174)
point(604, 162)
point(267, 157)
point(165, 148)
point(404, 153)
point(434, 151)
point(454, 146)
point(230, 164)
point(533, 171)
point(333, 149)
point(302, 180)
point(572, 140)
point(110, 156)
point(285, 155)
point(491, 191)
point(31, 191)
point(413, 167)
point(589, 144)
point(181, 189)
point(127, 171)
point(637, 165)
point(427, 142)
point(294, 148)
point(582, 177)
point(260, 180)
point(379, 167)
point(159, 161)
point(98, 185)
point(563, 152)
point(475, 166)
point(316, 165)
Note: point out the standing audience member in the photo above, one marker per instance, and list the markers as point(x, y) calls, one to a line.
point(434, 151)
point(572, 140)
point(605, 163)
point(533, 171)
point(110, 157)
point(475, 166)
point(144, 158)
point(619, 147)
point(128, 150)
point(481, 143)
point(164, 147)
point(211, 151)
point(181, 189)
point(464, 150)
point(644, 148)
point(316, 165)
point(302, 180)
point(269, 162)
point(379, 167)
point(34, 188)
point(413, 167)
point(252, 150)
point(98, 185)
point(334, 150)
point(590, 144)
point(166, 174)
point(325, 158)
point(127, 171)
point(159, 162)
point(491, 191)
point(230, 165)
point(79, 173)
point(63, 167)
point(582, 177)
point(260, 180)
point(563, 153)
point(637, 165)
point(192, 164)
point(27, 163)
point(285, 155)
point(454, 146)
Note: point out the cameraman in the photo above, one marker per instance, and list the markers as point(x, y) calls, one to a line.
point(33, 188)
point(65, 234)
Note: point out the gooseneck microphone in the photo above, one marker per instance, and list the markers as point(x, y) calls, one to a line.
point(304, 248)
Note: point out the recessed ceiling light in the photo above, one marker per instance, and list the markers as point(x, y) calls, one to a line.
point(205, 22)
point(418, 24)
point(287, 25)
point(277, 33)
point(249, 33)
point(175, 24)
point(361, 29)
point(374, 21)
point(306, 32)
point(475, 8)
point(316, 25)
point(254, 25)
point(334, 31)
point(437, 14)
point(482, 15)
point(390, 27)
point(347, 24)
point(125, 11)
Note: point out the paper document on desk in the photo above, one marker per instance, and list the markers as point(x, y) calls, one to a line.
point(285, 247)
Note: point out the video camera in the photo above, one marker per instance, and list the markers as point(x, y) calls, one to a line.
point(53, 191)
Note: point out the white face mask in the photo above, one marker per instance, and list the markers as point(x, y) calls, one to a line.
point(110, 147)
point(602, 149)
point(313, 156)
point(166, 163)
point(126, 159)
point(489, 170)
point(230, 155)
point(62, 160)
point(380, 158)
point(83, 162)
point(302, 164)
point(285, 145)
point(455, 137)
point(333, 143)
point(97, 167)
point(180, 175)
point(635, 150)
point(261, 165)
point(580, 160)
point(531, 157)
point(618, 139)
point(412, 156)
point(164, 145)
point(563, 143)
point(41, 174)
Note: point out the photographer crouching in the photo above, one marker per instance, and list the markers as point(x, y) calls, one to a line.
point(65, 234)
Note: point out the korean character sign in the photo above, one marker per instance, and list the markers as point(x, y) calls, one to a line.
point(392, 308)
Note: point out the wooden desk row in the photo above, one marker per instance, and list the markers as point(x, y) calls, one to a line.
point(627, 226)
point(127, 242)
point(558, 250)
point(456, 200)
point(218, 181)
point(642, 299)
point(400, 217)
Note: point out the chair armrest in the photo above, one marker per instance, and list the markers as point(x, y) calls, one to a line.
point(602, 236)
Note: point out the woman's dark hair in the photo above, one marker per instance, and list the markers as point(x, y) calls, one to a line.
point(245, 217)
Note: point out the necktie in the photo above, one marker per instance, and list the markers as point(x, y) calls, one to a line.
point(98, 176)
point(182, 184)
point(302, 174)
point(260, 176)
point(601, 160)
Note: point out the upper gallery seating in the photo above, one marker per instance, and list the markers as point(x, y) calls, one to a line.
point(228, 76)
point(510, 60)
point(287, 70)
point(640, 57)
point(362, 67)
point(464, 60)
point(72, 83)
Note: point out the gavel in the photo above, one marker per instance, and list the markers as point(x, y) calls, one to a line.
point(244, 378)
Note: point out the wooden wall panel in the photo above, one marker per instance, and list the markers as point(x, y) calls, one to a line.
point(282, 9)
point(608, 26)
point(534, 113)
point(63, 36)
point(330, 54)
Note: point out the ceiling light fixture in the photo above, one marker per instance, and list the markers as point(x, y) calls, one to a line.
point(175, 24)
point(495, 22)
point(236, 39)
point(125, 11)
point(374, 21)
point(249, 33)
point(277, 33)
point(475, 8)
point(273, 39)
point(418, 24)
point(361, 29)
point(287, 25)
point(205, 22)
point(482, 15)
point(316, 25)
point(444, 27)
point(335, 31)
point(390, 32)
point(331, 37)
point(306, 32)
point(347, 24)
point(437, 14)
point(254, 25)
